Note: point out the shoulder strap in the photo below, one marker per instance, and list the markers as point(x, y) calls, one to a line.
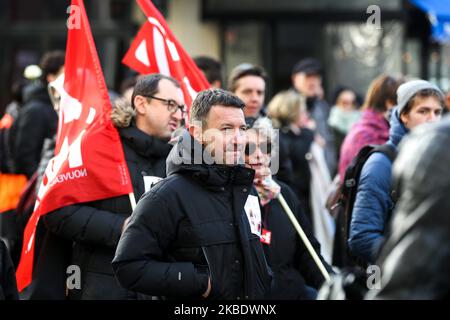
point(388, 150)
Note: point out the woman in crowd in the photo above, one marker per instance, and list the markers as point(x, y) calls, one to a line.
point(296, 276)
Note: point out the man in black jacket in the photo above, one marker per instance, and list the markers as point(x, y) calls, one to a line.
point(37, 120)
point(307, 80)
point(189, 237)
point(94, 228)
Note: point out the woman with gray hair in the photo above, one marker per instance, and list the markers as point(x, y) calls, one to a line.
point(296, 275)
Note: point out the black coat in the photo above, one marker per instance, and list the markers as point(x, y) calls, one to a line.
point(37, 120)
point(95, 227)
point(292, 265)
point(298, 148)
point(8, 287)
point(191, 225)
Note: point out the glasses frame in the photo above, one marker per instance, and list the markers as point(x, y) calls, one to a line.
point(172, 105)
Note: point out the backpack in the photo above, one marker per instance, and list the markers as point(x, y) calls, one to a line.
point(346, 200)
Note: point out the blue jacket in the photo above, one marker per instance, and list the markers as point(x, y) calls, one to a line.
point(373, 202)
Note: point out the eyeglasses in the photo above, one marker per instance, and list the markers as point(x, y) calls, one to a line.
point(172, 105)
point(265, 147)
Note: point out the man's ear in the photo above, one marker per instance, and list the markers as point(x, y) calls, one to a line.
point(139, 104)
point(196, 132)
point(404, 117)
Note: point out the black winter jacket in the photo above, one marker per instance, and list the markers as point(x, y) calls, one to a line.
point(37, 120)
point(292, 265)
point(298, 147)
point(95, 228)
point(190, 226)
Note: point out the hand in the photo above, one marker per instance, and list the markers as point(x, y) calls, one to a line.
point(208, 290)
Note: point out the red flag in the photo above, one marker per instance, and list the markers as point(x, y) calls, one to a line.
point(89, 162)
point(156, 50)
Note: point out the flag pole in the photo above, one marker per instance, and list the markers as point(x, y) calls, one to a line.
point(132, 200)
point(304, 238)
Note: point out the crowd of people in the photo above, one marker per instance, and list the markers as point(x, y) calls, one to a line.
point(213, 226)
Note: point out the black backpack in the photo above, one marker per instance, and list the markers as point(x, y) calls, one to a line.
point(348, 190)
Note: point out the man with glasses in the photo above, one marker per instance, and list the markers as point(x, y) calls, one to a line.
point(158, 102)
point(145, 125)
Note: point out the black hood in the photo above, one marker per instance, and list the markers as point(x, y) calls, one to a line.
point(36, 91)
point(144, 144)
point(211, 175)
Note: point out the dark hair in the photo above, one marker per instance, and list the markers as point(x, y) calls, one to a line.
point(340, 89)
point(243, 70)
point(127, 83)
point(382, 89)
point(206, 99)
point(17, 90)
point(149, 85)
point(51, 62)
point(425, 93)
point(210, 67)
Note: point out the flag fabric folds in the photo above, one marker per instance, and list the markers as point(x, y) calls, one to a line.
point(156, 50)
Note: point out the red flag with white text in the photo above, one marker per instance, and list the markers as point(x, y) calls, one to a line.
point(156, 50)
point(89, 162)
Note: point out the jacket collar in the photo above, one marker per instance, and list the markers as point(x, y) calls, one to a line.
point(143, 144)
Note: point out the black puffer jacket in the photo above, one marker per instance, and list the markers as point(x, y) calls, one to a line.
point(292, 265)
point(8, 287)
point(415, 260)
point(191, 225)
point(298, 146)
point(95, 227)
point(37, 120)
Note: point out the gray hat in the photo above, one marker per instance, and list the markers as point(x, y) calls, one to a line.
point(407, 90)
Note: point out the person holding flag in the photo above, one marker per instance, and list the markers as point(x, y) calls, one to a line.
point(95, 227)
point(90, 186)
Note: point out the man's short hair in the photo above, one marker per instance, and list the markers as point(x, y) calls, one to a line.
point(210, 67)
point(51, 62)
point(149, 85)
point(243, 70)
point(206, 99)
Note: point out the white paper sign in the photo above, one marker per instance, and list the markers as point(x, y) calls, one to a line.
point(253, 212)
point(150, 181)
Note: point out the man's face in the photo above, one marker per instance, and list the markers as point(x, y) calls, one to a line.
point(424, 110)
point(223, 134)
point(309, 85)
point(251, 90)
point(154, 117)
